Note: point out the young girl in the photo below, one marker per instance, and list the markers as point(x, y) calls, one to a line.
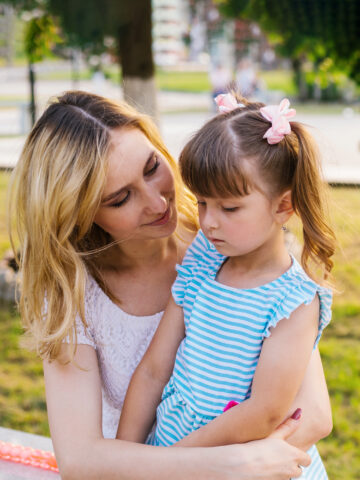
point(245, 315)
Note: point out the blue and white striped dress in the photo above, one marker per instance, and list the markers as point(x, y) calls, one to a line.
point(225, 328)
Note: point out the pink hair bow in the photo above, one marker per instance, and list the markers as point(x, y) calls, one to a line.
point(227, 102)
point(279, 116)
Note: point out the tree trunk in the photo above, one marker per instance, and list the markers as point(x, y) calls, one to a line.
point(141, 93)
point(32, 107)
point(299, 77)
point(136, 58)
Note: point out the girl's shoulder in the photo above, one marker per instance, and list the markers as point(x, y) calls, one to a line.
point(296, 288)
point(297, 276)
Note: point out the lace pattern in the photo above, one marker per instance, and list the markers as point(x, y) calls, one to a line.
point(120, 340)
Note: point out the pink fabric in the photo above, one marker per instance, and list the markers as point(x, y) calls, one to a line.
point(279, 116)
point(230, 404)
point(227, 102)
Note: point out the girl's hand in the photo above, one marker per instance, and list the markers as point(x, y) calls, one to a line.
point(269, 459)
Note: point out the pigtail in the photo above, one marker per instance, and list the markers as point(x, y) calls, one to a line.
point(309, 203)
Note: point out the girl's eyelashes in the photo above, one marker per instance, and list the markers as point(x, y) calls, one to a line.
point(122, 201)
point(230, 209)
point(202, 203)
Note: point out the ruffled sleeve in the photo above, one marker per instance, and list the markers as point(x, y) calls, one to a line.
point(84, 336)
point(186, 271)
point(302, 292)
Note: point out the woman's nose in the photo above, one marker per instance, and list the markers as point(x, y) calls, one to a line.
point(155, 201)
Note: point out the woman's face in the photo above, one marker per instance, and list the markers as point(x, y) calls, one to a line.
point(138, 202)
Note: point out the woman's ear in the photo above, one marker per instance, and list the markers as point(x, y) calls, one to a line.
point(284, 208)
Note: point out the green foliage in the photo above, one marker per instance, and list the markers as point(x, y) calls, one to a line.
point(315, 28)
point(40, 37)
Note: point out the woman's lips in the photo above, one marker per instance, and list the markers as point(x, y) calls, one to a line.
point(162, 220)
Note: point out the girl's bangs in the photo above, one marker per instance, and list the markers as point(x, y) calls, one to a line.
point(205, 176)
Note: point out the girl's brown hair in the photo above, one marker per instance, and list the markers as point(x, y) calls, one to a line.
point(55, 192)
point(215, 163)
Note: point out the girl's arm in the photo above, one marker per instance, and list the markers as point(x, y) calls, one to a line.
point(281, 368)
point(74, 410)
point(150, 377)
point(313, 398)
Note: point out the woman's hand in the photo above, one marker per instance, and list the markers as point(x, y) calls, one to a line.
point(269, 459)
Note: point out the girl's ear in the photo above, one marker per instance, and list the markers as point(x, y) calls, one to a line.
point(284, 208)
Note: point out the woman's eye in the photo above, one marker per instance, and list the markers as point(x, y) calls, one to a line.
point(154, 167)
point(200, 203)
point(122, 201)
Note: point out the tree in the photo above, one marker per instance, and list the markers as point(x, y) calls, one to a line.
point(41, 34)
point(318, 29)
point(40, 37)
point(88, 24)
point(129, 23)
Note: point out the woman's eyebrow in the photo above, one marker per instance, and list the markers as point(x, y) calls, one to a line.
point(126, 187)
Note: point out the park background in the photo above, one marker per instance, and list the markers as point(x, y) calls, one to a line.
point(308, 51)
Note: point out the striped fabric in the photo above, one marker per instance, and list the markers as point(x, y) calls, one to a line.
point(225, 329)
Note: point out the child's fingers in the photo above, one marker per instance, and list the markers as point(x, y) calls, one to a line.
point(288, 427)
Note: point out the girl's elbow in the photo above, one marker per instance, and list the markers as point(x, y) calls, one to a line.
point(323, 427)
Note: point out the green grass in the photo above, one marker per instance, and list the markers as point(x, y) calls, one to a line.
point(22, 398)
point(4, 239)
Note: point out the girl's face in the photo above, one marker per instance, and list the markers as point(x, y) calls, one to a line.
point(138, 202)
point(238, 226)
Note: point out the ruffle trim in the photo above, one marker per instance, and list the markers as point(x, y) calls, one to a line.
point(305, 295)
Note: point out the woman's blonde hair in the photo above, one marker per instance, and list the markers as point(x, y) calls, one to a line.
point(55, 191)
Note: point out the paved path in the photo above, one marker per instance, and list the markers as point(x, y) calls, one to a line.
point(338, 134)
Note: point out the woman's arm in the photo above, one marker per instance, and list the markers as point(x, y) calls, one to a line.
point(281, 368)
point(151, 376)
point(74, 410)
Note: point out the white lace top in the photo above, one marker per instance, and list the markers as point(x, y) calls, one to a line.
point(120, 341)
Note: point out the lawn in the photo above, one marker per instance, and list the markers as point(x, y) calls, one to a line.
point(22, 400)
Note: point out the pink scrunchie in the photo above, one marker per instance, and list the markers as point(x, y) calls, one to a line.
point(227, 102)
point(279, 116)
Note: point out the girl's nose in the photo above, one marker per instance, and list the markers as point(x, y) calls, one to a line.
point(155, 201)
point(209, 221)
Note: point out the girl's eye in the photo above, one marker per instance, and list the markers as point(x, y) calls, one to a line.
point(200, 203)
point(154, 167)
point(122, 201)
point(230, 209)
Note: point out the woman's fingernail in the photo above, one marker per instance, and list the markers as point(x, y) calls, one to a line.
point(297, 414)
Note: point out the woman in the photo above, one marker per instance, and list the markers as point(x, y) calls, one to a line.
point(102, 219)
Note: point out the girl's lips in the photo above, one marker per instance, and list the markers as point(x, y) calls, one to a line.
point(162, 220)
point(216, 240)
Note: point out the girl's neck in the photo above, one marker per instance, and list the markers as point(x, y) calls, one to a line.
point(258, 267)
